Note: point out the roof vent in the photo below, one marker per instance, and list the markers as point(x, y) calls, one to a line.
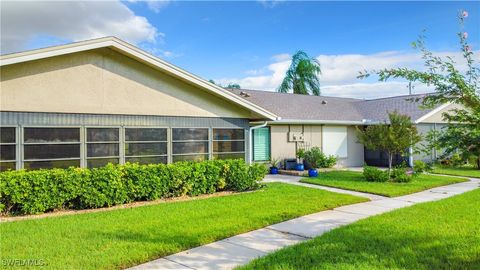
point(245, 94)
point(324, 102)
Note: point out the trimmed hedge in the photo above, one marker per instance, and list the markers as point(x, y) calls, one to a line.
point(33, 192)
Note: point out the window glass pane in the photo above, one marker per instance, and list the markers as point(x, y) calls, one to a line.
point(228, 134)
point(145, 134)
point(228, 146)
point(48, 164)
point(44, 135)
point(7, 152)
point(229, 156)
point(51, 151)
point(147, 160)
point(7, 135)
point(190, 147)
point(102, 150)
point(101, 162)
point(190, 157)
point(261, 144)
point(102, 134)
point(5, 166)
point(144, 149)
point(186, 134)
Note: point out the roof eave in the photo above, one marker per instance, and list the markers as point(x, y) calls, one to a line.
point(321, 122)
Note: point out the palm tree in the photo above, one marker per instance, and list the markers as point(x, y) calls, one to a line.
point(302, 75)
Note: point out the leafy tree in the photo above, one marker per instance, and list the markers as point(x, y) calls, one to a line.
point(233, 85)
point(302, 75)
point(452, 85)
point(394, 137)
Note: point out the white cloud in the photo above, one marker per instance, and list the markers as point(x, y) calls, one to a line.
point(339, 74)
point(270, 3)
point(22, 22)
point(157, 5)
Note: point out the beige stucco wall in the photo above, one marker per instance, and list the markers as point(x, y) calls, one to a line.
point(105, 82)
point(281, 148)
point(423, 129)
point(437, 117)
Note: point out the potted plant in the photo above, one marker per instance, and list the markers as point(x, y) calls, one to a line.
point(313, 158)
point(274, 162)
point(300, 156)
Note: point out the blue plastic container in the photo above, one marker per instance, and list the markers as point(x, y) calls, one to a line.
point(299, 167)
point(312, 173)
point(273, 170)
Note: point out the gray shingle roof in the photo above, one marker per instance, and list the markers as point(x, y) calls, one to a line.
point(322, 108)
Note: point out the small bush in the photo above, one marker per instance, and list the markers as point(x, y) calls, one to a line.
point(373, 174)
point(420, 167)
point(456, 160)
point(317, 159)
point(399, 175)
point(32, 192)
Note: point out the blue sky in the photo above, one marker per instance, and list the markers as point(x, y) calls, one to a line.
point(250, 42)
point(237, 36)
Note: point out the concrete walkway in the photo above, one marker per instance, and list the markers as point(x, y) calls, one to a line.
point(240, 249)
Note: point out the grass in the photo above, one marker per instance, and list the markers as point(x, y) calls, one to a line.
point(122, 238)
point(436, 235)
point(354, 181)
point(460, 171)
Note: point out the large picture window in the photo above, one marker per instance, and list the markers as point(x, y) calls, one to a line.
point(8, 152)
point(146, 145)
point(103, 146)
point(228, 143)
point(190, 144)
point(51, 147)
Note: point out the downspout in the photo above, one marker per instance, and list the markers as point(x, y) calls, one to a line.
point(250, 156)
point(410, 156)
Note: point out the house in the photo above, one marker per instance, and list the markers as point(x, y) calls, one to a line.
point(90, 103)
point(103, 101)
point(330, 123)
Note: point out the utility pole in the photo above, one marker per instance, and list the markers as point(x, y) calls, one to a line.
point(410, 87)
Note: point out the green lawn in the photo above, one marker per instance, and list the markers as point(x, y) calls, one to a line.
point(461, 171)
point(436, 235)
point(355, 181)
point(126, 237)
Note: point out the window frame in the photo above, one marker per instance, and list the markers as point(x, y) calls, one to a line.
point(18, 156)
point(244, 152)
point(120, 157)
point(125, 142)
point(208, 153)
point(22, 144)
point(269, 145)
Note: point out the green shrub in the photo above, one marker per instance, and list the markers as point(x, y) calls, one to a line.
point(399, 175)
point(373, 174)
point(317, 159)
point(456, 160)
point(420, 167)
point(38, 191)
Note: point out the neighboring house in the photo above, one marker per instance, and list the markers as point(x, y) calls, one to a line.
point(330, 122)
point(89, 103)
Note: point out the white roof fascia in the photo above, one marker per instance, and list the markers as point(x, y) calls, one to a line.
point(432, 112)
point(137, 53)
point(320, 122)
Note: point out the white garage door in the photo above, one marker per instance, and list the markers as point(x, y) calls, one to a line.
point(334, 141)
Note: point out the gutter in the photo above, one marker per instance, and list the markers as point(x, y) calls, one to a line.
point(250, 131)
point(320, 122)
